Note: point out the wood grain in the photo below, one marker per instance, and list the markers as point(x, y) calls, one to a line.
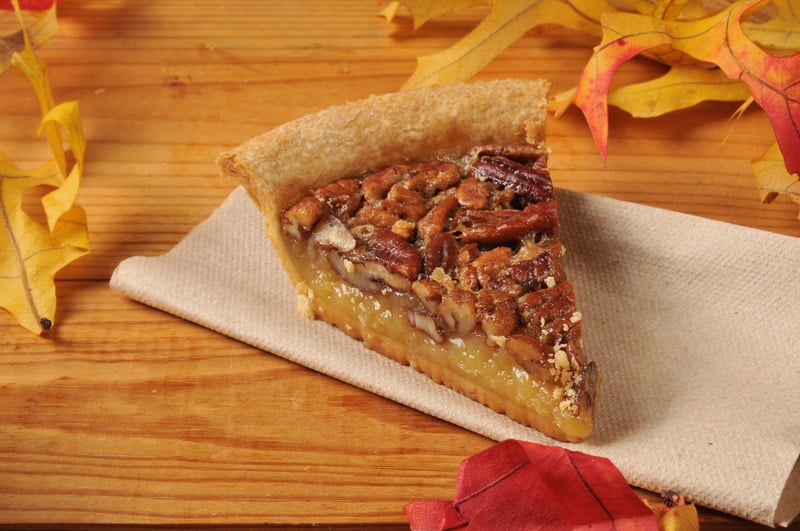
point(125, 415)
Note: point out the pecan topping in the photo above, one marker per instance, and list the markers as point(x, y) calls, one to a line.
point(471, 248)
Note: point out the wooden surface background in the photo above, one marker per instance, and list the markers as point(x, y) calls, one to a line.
point(125, 415)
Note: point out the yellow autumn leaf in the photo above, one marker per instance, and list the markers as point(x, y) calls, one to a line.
point(778, 30)
point(505, 23)
point(683, 86)
point(40, 31)
point(424, 10)
point(679, 518)
point(772, 178)
point(31, 253)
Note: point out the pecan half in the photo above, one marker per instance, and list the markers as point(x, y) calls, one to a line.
point(430, 177)
point(387, 249)
point(343, 197)
point(458, 309)
point(408, 204)
point(440, 252)
point(473, 194)
point(501, 226)
point(546, 305)
point(533, 185)
point(377, 184)
point(300, 218)
point(437, 218)
point(538, 272)
point(497, 312)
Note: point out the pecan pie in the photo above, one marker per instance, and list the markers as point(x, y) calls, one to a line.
point(425, 224)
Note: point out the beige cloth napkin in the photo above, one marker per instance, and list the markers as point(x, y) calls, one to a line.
point(693, 324)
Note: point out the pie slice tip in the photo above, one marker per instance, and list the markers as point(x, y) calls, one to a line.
point(424, 224)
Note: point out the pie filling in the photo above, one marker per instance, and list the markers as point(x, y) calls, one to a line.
point(454, 267)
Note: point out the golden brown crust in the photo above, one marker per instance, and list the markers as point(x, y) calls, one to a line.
point(278, 167)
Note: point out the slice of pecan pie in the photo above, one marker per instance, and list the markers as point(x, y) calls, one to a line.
point(424, 223)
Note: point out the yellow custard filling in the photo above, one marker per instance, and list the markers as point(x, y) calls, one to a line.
point(380, 320)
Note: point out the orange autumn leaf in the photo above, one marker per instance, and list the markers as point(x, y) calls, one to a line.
point(717, 39)
point(31, 253)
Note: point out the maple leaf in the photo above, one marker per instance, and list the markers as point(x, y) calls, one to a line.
point(32, 253)
point(717, 39)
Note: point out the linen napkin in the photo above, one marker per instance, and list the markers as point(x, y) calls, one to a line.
point(691, 322)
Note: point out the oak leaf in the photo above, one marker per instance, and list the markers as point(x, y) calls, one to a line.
point(41, 30)
point(717, 39)
point(424, 10)
point(505, 23)
point(772, 178)
point(32, 252)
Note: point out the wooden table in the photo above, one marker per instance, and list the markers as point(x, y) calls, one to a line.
point(126, 415)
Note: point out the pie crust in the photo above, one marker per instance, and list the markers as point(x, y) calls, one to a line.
point(322, 182)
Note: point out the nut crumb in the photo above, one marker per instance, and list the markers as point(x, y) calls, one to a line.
point(304, 298)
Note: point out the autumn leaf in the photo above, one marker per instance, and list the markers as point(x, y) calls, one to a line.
point(38, 33)
point(29, 5)
point(717, 39)
point(424, 10)
point(31, 253)
point(674, 514)
point(772, 178)
point(778, 32)
point(523, 485)
point(505, 23)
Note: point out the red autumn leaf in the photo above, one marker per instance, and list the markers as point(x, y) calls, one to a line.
point(719, 40)
point(522, 485)
point(30, 5)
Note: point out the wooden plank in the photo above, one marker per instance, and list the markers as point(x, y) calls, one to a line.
point(139, 417)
